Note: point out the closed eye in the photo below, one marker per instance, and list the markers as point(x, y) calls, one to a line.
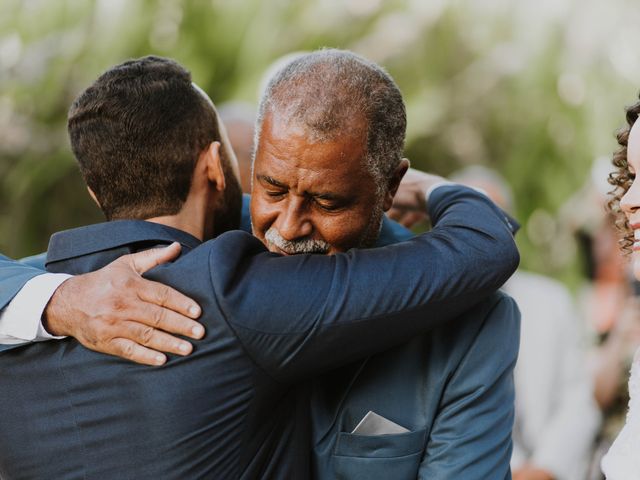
point(327, 206)
point(275, 193)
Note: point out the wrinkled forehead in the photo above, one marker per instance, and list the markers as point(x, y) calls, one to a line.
point(279, 125)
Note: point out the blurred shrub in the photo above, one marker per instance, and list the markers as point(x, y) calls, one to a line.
point(533, 90)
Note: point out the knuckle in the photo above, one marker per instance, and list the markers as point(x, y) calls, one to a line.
point(146, 335)
point(127, 350)
point(163, 294)
point(158, 317)
point(97, 331)
point(129, 281)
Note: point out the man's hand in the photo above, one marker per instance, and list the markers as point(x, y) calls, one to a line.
point(114, 310)
point(410, 204)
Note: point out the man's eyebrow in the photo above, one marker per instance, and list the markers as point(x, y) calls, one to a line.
point(271, 181)
point(326, 196)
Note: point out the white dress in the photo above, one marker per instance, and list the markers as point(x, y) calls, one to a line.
point(622, 461)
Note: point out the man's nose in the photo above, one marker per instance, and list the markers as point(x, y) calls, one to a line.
point(294, 222)
point(630, 201)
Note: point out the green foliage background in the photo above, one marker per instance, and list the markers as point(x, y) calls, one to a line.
point(533, 89)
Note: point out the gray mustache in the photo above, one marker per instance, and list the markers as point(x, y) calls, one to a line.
point(294, 247)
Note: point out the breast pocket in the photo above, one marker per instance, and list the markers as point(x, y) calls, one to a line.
point(374, 457)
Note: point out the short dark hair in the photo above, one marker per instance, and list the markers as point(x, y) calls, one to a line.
point(137, 133)
point(328, 92)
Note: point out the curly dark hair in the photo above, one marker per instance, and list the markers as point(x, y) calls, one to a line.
point(621, 179)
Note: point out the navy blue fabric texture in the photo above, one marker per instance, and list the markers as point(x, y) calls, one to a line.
point(234, 407)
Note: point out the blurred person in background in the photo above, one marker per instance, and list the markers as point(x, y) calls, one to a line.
point(239, 118)
point(622, 462)
point(556, 417)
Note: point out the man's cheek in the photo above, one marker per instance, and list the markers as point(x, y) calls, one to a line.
point(341, 241)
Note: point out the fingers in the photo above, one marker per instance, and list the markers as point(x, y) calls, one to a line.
point(144, 344)
point(116, 311)
point(407, 218)
point(394, 214)
point(154, 339)
point(129, 350)
point(161, 318)
point(143, 261)
point(175, 302)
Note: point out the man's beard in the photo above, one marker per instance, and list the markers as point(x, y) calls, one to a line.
point(294, 247)
point(229, 212)
point(370, 235)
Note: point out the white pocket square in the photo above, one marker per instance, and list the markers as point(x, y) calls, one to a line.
point(374, 424)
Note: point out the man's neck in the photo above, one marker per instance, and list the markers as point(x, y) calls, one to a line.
point(184, 224)
point(194, 217)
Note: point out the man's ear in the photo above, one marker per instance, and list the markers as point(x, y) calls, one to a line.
point(394, 183)
point(93, 196)
point(213, 165)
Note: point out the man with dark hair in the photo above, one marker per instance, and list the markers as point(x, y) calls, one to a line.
point(169, 130)
point(272, 322)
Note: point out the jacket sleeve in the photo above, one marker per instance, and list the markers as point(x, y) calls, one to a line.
point(303, 314)
point(14, 274)
point(471, 435)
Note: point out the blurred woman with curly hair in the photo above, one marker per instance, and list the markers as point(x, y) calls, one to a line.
point(622, 462)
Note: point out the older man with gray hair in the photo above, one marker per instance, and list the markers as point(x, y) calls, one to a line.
point(330, 137)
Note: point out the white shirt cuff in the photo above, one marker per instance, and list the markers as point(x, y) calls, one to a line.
point(430, 190)
point(21, 320)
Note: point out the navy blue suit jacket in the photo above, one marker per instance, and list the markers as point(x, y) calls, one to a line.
point(15, 274)
point(231, 409)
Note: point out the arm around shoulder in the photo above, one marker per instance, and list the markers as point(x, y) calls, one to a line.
point(302, 314)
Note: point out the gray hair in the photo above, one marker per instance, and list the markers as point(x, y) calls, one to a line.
point(335, 92)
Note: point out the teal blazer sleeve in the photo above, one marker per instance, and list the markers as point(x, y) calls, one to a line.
point(14, 275)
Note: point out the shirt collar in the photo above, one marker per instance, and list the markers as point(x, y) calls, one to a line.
point(109, 235)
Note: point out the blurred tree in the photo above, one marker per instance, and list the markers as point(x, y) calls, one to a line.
point(534, 91)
